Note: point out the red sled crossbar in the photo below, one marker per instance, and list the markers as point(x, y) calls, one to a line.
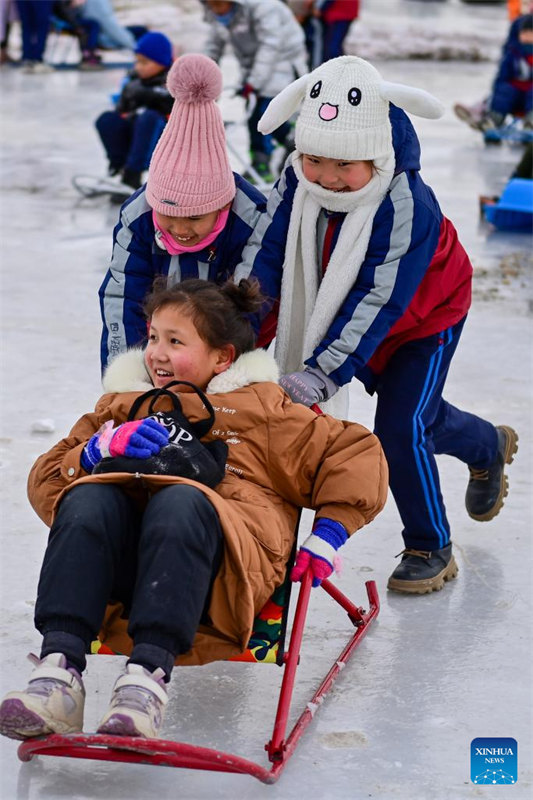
point(162, 752)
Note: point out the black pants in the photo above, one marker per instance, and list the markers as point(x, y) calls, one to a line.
point(258, 142)
point(161, 564)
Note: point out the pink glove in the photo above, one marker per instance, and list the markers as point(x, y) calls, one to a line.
point(141, 438)
point(138, 439)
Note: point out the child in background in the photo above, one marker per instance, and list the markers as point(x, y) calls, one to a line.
point(512, 92)
point(34, 18)
point(512, 87)
point(336, 17)
point(325, 24)
point(182, 559)
point(374, 284)
point(192, 218)
point(112, 35)
point(269, 45)
point(130, 132)
point(8, 15)
point(85, 29)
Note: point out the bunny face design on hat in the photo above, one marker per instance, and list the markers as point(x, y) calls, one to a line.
point(190, 173)
point(344, 110)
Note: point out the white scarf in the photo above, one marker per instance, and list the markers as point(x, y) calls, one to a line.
point(307, 307)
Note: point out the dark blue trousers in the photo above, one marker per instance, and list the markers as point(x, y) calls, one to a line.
point(260, 143)
point(507, 99)
point(35, 22)
point(130, 141)
point(415, 423)
point(160, 563)
point(334, 34)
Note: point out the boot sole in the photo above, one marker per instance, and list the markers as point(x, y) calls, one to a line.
point(511, 447)
point(427, 585)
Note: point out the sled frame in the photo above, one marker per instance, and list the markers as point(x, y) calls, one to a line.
point(160, 752)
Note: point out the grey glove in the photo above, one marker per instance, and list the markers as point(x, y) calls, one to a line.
point(308, 387)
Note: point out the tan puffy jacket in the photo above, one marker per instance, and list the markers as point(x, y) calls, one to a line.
point(282, 456)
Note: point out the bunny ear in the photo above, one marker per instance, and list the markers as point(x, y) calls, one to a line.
point(416, 101)
point(283, 106)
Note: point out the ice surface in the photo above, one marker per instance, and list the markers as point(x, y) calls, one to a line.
point(436, 671)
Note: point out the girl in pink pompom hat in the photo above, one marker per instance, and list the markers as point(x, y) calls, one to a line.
point(193, 217)
point(189, 173)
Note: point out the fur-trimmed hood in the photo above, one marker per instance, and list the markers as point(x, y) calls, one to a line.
point(128, 373)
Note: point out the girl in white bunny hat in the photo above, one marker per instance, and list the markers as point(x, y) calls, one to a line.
point(374, 284)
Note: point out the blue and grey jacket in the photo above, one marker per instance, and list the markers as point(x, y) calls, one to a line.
point(137, 259)
point(415, 279)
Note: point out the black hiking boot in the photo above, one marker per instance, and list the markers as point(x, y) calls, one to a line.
point(487, 487)
point(421, 572)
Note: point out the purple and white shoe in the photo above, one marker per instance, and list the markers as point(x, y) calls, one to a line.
point(53, 701)
point(137, 704)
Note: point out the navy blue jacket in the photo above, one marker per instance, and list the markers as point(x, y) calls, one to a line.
point(415, 279)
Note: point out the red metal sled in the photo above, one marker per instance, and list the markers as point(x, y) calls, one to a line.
point(179, 754)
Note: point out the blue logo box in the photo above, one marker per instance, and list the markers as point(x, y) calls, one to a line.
point(494, 761)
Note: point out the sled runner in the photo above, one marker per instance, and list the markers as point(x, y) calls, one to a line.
point(512, 131)
point(93, 186)
point(267, 644)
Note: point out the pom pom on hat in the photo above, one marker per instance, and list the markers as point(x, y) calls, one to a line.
point(189, 173)
point(194, 79)
point(157, 47)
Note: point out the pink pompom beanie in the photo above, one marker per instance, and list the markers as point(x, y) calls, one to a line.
point(189, 173)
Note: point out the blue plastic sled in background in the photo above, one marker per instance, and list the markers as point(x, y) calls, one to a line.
point(514, 210)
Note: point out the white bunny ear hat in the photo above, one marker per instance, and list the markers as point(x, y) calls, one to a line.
point(345, 110)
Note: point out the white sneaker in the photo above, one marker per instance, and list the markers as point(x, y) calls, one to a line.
point(137, 704)
point(38, 68)
point(52, 702)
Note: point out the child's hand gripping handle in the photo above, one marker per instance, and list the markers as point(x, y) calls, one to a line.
point(319, 551)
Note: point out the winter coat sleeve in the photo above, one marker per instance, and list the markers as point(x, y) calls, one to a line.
point(337, 468)
point(263, 256)
point(269, 24)
point(509, 68)
point(216, 41)
point(136, 94)
point(128, 280)
point(55, 470)
point(156, 98)
point(403, 241)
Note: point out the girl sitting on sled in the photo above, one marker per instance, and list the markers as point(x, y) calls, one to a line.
point(163, 566)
